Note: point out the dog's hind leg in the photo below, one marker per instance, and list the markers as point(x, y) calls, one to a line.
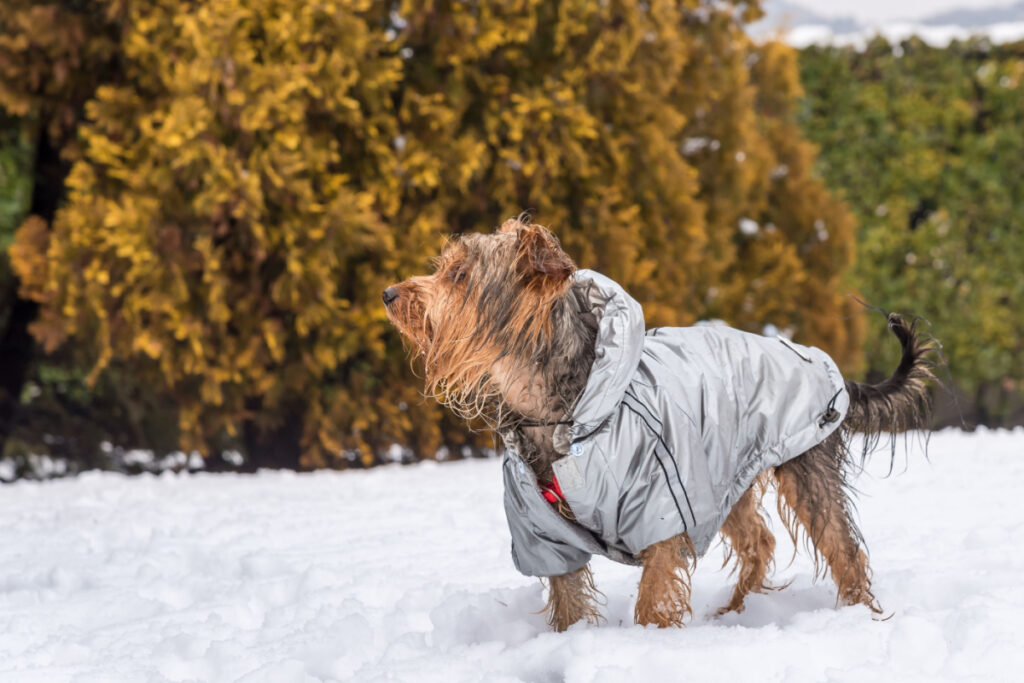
point(752, 543)
point(572, 597)
point(813, 495)
point(663, 597)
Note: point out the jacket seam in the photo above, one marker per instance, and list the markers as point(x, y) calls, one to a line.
point(668, 479)
point(675, 465)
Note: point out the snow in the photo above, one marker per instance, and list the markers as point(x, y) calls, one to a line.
point(821, 230)
point(748, 226)
point(691, 146)
point(7, 470)
point(403, 574)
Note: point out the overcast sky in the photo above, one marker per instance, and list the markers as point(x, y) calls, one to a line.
point(885, 10)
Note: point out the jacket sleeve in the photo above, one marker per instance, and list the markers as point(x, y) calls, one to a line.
point(536, 552)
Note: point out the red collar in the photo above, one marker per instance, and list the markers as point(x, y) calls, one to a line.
point(552, 492)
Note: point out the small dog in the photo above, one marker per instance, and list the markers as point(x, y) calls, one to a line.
point(644, 445)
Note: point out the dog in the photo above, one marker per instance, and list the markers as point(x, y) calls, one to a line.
point(639, 445)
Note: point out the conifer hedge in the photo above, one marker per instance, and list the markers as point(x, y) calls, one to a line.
point(254, 172)
point(927, 146)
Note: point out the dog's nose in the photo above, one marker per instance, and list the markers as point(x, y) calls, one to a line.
point(389, 295)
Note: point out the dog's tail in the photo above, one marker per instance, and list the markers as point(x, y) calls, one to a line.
point(901, 402)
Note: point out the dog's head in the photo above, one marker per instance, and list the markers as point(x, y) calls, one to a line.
point(484, 315)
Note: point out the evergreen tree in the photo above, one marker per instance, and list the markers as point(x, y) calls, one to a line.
point(780, 243)
point(927, 145)
point(52, 57)
point(259, 171)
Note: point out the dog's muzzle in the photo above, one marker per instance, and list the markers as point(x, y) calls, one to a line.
point(389, 295)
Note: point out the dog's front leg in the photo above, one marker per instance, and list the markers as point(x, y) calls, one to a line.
point(663, 598)
point(572, 597)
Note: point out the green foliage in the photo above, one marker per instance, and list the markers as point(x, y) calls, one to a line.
point(927, 146)
point(15, 188)
point(15, 180)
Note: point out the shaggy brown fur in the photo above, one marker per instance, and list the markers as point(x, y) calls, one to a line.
point(751, 542)
point(496, 326)
point(813, 496)
point(663, 597)
point(499, 329)
point(901, 402)
point(572, 597)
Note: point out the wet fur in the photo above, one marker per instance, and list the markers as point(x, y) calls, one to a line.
point(504, 336)
point(663, 596)
point(751, 543)
point(572, 597)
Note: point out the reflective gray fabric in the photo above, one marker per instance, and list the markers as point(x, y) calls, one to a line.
point(672, 427)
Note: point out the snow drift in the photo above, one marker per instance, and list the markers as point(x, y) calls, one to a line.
point(403, 573)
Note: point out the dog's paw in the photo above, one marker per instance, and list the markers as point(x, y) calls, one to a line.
point(734, 605)
point(662, 614)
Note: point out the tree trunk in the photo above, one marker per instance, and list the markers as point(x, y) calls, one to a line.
point(16, 350)
point(277, 448)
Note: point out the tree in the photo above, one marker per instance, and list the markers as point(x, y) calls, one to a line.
point(260, 171)
point(52, 56)
point(219, 235)
point(926, 145)
point(780, 243)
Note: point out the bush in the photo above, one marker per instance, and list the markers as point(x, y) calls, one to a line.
point(927, 145)
point(259, 171)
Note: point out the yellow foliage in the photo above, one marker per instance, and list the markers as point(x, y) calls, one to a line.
point(265, 169)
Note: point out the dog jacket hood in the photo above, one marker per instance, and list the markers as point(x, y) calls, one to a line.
point(672, 427)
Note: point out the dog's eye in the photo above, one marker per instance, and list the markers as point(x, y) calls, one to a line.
point(457, 275)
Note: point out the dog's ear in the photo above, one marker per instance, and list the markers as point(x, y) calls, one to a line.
point(540, 255)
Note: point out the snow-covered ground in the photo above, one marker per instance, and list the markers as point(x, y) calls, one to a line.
point(403, 574)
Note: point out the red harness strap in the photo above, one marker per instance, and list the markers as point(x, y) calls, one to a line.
point(552, 492)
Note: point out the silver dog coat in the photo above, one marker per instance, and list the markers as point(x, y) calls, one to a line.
point(672, 427)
